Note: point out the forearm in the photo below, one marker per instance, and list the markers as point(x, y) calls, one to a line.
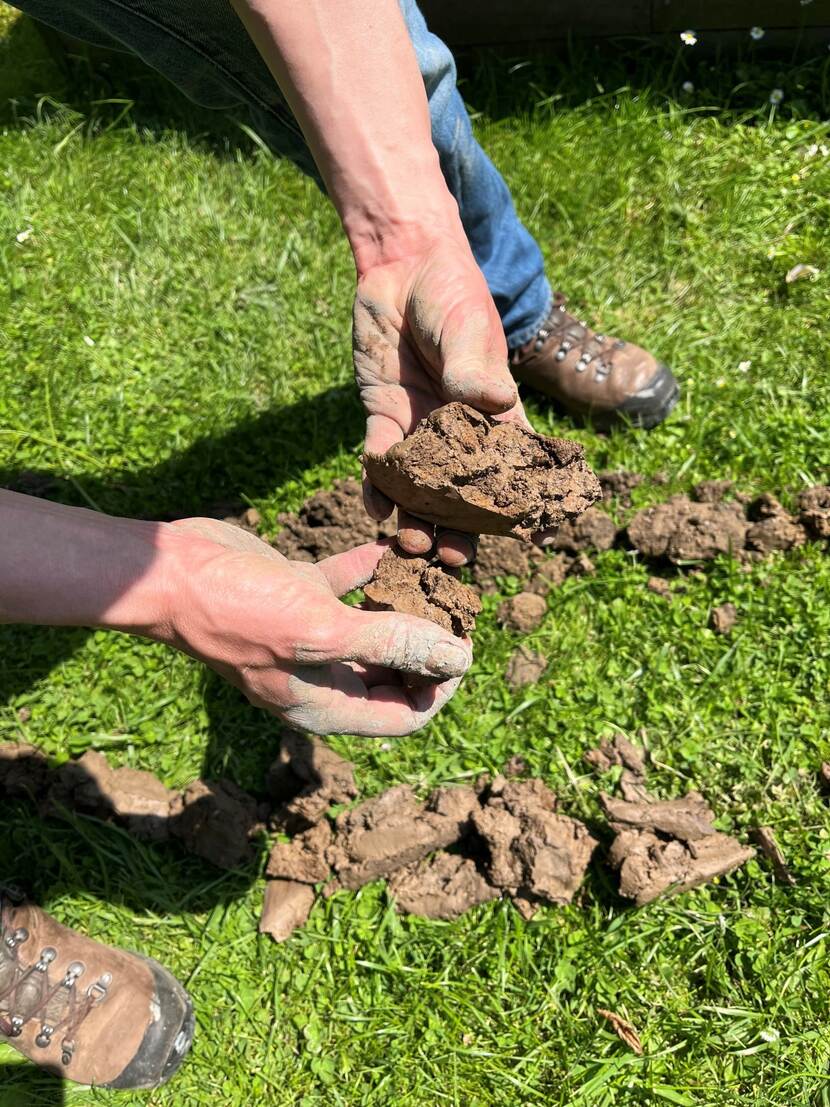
point(65, 566)
point(349, 73)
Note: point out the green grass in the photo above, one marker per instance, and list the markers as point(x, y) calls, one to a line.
point(213, 285)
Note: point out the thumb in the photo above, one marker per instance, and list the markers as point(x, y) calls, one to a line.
point(402, 642)
point(473, 351)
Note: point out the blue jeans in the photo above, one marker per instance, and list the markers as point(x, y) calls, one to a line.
point(203, 48)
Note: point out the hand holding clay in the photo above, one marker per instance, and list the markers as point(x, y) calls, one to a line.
point(426, 332)
point(276, 630)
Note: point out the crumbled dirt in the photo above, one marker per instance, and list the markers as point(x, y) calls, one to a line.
point(582, 566)
point(551, 573)
point(523, 613)
point(329, 522)
point(514, 766)
point(412, 586)
point(764, 839)
point(216, 821)
point(524, 667)
point(814, 507)
point(533, 852)
point(134, 798)
point(723, 618)
point(24, 771)
point(659, 587)
point(619, 485)
point(464, 470)
point(712, 491)
point(287, 906)
point(618, 751)
point(306, 779)
point(441, 887)
point(667, 846)
point(593, 530)
point(393, 830)
point(682, 530)
point(500, 556)
point(303, 858)
point(773, 527)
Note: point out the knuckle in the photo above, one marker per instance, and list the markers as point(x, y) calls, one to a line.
point(316, 644)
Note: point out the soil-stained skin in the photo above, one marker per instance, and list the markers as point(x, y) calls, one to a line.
point(466, 471)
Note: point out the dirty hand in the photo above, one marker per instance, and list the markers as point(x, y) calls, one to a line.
point(426, 332)
point(276, 630)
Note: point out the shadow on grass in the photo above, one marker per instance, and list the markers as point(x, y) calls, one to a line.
point(25, 1085)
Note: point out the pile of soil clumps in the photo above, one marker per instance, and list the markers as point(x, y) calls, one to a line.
point(466, 471)
point(682, 530)
point(329, 522)
point(307, 779)
point(414, 586)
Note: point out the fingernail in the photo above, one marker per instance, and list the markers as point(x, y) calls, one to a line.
point(448, 660)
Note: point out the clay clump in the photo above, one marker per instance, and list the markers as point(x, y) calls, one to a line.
point(286, 907)
point(413, 586)
point(682, 530)
point(466, 471)
point(593, 530)
point(620, 752)
point(441, 887)
point(503, 557)
point(723, 618)
point(524, 667)
point(814, 507)
point(773, 527)
point(306, 779)
point(523, 613)
point(24, 771)
point(216, 821)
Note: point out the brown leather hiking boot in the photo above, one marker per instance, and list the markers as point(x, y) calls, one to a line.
point(84, 1011)
point(591, 375)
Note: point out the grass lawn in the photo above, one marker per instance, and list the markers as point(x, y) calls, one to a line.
point(174, 331)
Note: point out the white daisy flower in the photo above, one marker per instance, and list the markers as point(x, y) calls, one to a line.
point(756, 33)
point(776, 96)
point(744, 366)
point(688, 38)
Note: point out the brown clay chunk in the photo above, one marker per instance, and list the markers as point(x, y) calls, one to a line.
point(411, 586)
point(723, 618)
point(503, 557)
point(303, 858)
point(668, 846)
point(463, 470)
point(287, 906)
point(618, 485)
point(135, 798)
point(712, 491)
point(523, 613)
point(393, 830)
point(533, 851)
point(764, 838)
point(550, 574)
point(593, 530)
point(659, 587)
point(306, 779)
point(619, 751)
point(215, 821)
point(814, 505)
point(682, 530)
point(442, 887)
point(24, 771)
point(329, 522)
point(524, 667)
point(773, 527)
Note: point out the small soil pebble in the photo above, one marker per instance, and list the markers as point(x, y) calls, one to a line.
point(215, 820)
point(515, 766)
point(442, 887)
point(393, 830)
point(582, 566)
point(618, 751)
point(665, 846)
point(503, 557)
point(286, 907)
point(593, 530)
point(412, 586)
point(682, 530)
point(660, 587)
point(523, 613)
point(764, 839)
point(303, 858)
point(534, 852)
point(132, 797)
point(463, 470)
point(524, 667)
point(24, 771)
point(712, 491)
point(551, 573)
point(723, 618)
point(306, 779)
point(329, 522)
point(814, 506)
point(773, 527)
point(618, 485)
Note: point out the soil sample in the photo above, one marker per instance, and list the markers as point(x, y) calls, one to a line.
point(593, 530)
point(329, 522)
point(814, 506)
point(523, 613)
point(682, 530)
point(466, 471)
point(413, 586)
point(303, 858)
point(773, 527)
point(24, 771)
point(524, 667)
point(287, 906)
point(503, 557)
point(723, 618)
point(306, 779)
point(216, 821)
point(442, 887)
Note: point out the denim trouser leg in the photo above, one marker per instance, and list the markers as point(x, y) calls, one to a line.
point(204, 49)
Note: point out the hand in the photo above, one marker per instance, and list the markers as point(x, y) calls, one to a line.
point(426, 332)
point(276, 630)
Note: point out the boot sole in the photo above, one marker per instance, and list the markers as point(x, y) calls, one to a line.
point(167, 1041)
point(651, 404)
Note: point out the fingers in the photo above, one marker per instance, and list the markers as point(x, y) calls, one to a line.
point(335, 700)
point(381, 432)
point(346, 571)
point(474, 356)
point(456, 548)
point(415, 536)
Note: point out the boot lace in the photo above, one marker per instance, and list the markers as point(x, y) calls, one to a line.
point(28, 991)
point(571, 334)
